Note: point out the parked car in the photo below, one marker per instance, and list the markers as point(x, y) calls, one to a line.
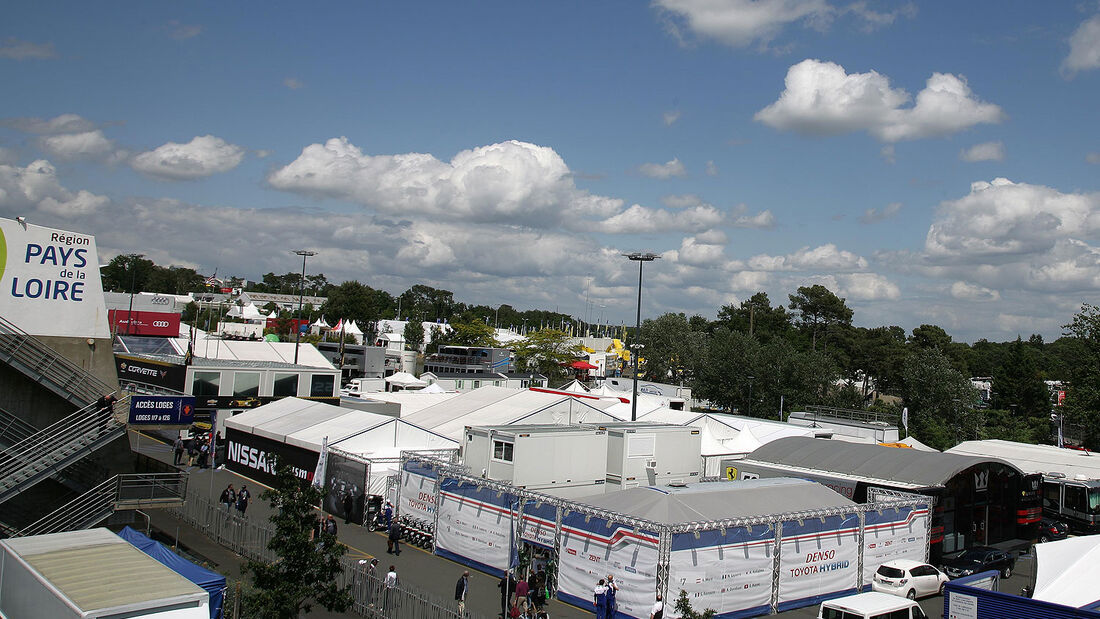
point(911, 579)
point(872, 605)
point(1051, 529)
point(980, 559)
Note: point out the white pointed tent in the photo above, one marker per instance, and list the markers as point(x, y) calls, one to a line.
point(320, 323)
point(404, 380)
point(351, 329)
point(1066, 571)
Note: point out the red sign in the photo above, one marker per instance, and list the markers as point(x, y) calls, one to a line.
point(1061, 398)
point(273, 323)
point(162, 324)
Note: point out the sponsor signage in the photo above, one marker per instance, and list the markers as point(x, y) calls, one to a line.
point(256, 457)
point(727, 572)
point(475, 525)
point(417, 492)
point(49, 281)
point(162, 410)
point(593, 548)
point(161, 324)
point(212, 402)
point(893, 534)
point(816, 556)
point(540, 524)
point(158, 373)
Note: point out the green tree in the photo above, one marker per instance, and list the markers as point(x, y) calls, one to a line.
point(357, 301)
point(685, 611)
point(756, 317)
point(673, 350)
point(1018, 384)
point(414, 335)
point(546, 350)
point(819, 310)
point(305, 571)
point(472, 333)
point(125, 271)
point(1082, 405)
point(940, 399)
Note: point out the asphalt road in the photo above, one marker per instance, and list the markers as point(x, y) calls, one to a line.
point(417, 567)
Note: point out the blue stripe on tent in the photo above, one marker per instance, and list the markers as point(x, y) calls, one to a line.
point(477, 565)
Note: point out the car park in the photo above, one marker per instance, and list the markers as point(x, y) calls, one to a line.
point(910, 579)
point(980, 559)
point(1051, 530)
point(873, 605)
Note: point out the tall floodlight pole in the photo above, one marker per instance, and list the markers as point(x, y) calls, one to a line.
point(304, 253)
point(640, 258)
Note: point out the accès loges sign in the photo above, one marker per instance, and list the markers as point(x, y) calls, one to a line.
point(49, 281)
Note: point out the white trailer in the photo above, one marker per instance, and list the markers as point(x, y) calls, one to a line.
point(652, 454)
point(93, 573)
point(566, 461)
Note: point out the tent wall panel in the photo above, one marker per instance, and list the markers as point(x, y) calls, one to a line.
point(476, 526)
point(818, 558)
point(730, 573)
point(898, 533)
point(592, 548)
point(417, 497)
point(540, 524)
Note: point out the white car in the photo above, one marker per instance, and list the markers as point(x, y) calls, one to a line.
point(911, 579)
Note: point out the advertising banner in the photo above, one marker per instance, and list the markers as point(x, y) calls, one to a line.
point(256, 457)
point(417, 492)
point(49, 281)
point(540, 524)
point(345, 477)
point(592, 548)
point(900, 533)
point(160, 324)
point(157, 373)
point(817, 560)
point(476, 526)
point(730, 573)
point(162, 410)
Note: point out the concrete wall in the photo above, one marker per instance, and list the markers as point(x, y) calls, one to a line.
point(97, 358)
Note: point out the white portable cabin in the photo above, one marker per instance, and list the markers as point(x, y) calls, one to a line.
point(648, 454)
point(566, 461)
point(92, 573)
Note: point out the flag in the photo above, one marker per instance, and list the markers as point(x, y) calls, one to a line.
point(322, 460)
point(905, 419)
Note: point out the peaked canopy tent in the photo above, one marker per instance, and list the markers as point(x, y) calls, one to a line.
point(404, 380)
point(212, 582)
point(1066, 572)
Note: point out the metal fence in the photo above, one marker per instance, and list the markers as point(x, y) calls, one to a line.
point(249, 538)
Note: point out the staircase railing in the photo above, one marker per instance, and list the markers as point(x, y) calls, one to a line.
point(53, 448)
point(139, 490)
point(34, 358)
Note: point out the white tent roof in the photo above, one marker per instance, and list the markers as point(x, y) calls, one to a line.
point(574, 386)
point(404, 379)
point(435, 388)
point(1066, 571)
point(351, 328)
point(320, 322)
point(412, 401)
point(915, 444)
point(304, 423)
point(497, 406)
point(1035, 458)
point(235, 350)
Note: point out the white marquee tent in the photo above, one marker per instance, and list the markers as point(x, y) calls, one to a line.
point(1066, 571)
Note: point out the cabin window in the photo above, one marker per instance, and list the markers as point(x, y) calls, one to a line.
point(286, 385)
point(503, 451)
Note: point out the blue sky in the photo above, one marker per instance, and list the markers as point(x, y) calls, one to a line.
point(930, 162)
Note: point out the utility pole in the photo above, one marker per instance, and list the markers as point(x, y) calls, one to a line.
point(640, 258)
point(304, 253)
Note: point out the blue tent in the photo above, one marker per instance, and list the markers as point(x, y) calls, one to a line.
point(212, 582)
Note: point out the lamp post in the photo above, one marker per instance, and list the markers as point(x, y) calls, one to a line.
point(304, 253)
point(640, 258)
point(751, 378)
point(133, 279)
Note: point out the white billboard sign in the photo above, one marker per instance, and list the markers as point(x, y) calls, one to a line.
point(592, 548)
point(49, 281)
point(729, 573)
point(475, 524)
point(818, 558)
point(417, 496)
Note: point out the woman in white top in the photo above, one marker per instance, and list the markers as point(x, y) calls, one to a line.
point(657, 611)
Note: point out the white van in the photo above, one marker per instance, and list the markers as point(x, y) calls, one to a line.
point(871, 605)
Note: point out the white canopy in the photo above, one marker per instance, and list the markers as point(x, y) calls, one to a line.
point(320, 323)
point(351, 328)
point(1066, 571)
point(915, 444)
point(405, 380)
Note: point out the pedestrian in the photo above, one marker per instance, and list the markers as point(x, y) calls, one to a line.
point(387, 514)
point(192, 451)
point(612, 590)
point(392, 582)
point(461, 588)
point(657, 611)
point(348, 505)
point(104, 410)
point(522, 590)
point(393, 539)
point(330, 526)
point(599, 599)
point(372, 582)
point(228, 498)
point(178, 447)
point(507, 585)
point(243, 498)
point(204, 452)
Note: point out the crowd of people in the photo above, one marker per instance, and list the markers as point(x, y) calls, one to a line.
point(200, 447)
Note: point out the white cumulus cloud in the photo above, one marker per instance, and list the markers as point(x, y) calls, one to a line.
point(17, 49)
point(86, 145)
point(1084, 48)
point(822, 258)
point(37, 187)
point(867, 287)
point(668, 169)
point(986, 151)
point(695, 252)
point(875, 215)
point(203, 156)
point(821, 99)
point(965, 291)
point(64, 123)
point(640, 220)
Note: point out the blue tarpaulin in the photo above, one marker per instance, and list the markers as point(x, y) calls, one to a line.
point(212, 582)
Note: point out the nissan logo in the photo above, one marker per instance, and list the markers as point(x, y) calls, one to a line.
point(160, 323)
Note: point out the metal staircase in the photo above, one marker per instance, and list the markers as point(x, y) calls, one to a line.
point(47, 367)
point(78, 476)
point(132, 491)
point(54, 448)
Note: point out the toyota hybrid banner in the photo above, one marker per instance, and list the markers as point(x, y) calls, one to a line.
point(817, 555)
point(729, 571)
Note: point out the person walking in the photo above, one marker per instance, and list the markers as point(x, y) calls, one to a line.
point(228, 498)
point(243, 499)
point(204, 453)
point(392, 582)
point(192, 450)
point(522, 591)
point(348, 505)
point(178, 448)
point(612, 589)
point(393, 540)
point(657, 611)
point(330, 526)
point(104, 410)
point(599, 599)
point(462, 587)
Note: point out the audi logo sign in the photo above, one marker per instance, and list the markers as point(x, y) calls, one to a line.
point(160, 323)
